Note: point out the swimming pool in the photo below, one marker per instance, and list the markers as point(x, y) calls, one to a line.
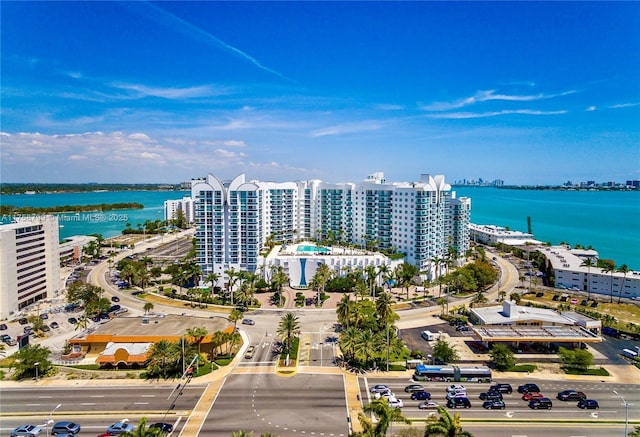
point(312, 249)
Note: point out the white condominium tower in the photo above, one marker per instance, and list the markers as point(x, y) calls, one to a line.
point(234, 219)
point(29, 262)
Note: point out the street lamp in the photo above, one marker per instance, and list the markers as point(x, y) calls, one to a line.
point(626, 413)
point(50, 421)
point(36, 366)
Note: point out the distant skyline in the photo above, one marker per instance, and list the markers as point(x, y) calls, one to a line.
point(155, 92)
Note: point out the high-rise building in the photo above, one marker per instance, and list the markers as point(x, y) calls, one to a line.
point(29, 263)
point(171, 208)
point(236, 219)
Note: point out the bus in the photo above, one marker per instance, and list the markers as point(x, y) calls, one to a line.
point(434, 373)
point(473, 374)
point(452, 373)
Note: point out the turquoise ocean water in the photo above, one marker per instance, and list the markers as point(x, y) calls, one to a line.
point(608, 221)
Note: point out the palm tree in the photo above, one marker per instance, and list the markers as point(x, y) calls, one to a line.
point(344, 310)
point(383, 307)
point(235, 316)
point(588, 263)
point(148, 306)
point(365, 348)
point(624, 269)
point(142, 430)
point(438, 262)
point(446, 426)
point(386, 415)
point(162, 354)
point(383, 273)
point(213, 279)
point(198, 334)
point(348, 342)
point(610, 268)
point(233, 278)
point(288, 328)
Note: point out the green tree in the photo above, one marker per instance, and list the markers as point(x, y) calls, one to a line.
point(444, 352)
point(142, 430)
point(610, 267)
point(148, 306)
point(445, 426)
point(516, 297)
point(502, 357)
point(288, 328)
point(198, 334)
point(234, 316)
point(344, 310)
point(386, 415)
point(635, 432)
point(163, 355)
point(25, 359)
point(578, 359)
point(588, 263)
point(624, 269)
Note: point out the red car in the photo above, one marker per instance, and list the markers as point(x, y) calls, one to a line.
point(532, 395)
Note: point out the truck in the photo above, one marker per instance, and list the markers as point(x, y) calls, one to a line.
point(427, 335)
point(629, 353)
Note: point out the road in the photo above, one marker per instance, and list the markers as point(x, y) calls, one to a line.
point(96, 407)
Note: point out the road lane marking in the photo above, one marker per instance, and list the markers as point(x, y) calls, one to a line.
point(141, 403)
point(88, 403)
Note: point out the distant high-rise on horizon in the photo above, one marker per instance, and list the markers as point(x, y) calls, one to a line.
point(235, 219)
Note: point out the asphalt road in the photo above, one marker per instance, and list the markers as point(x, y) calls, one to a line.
point(94, 408)
point(517, 410)
point(291, 406)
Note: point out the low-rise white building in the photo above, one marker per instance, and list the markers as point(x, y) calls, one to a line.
point(71, 249)
point(492, 234)
point(572, 273)
point(29, 262)
point(301, 261)
point(514, 323)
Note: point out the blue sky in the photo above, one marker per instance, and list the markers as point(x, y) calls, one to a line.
point(527, 92)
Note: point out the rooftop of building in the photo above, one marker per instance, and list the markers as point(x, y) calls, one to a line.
point(510, 313)
point(169, 326)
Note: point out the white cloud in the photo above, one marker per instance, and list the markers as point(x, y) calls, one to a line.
point(624, 105)
point(463, 115)
point(141, 91)
point(347, 128)
point(484, 96)
point(591, 108)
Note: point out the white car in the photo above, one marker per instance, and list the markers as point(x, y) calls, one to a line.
point(395, 402)
point(384, 394)
point(456, 394)
point(379, 388)
point(456, 387)
point(428, 405)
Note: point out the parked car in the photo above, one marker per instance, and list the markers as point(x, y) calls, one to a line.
point(494, 405)
point(463, 328)
point(3, 327)
point(72, 320)
point(588, 404)
point(378, 388)
point(459, 403)
point(544, 403)
point(413, 387)
point(526, 388)
point(162, 426)
point(45, 328)
point(115, 299)
point(5, 337)
point(456, 387)
point(23, 321)
point(65, 427)
point(571, 395)
point(428, 405)
point(54, 325)
point(532, 395)
point(44, 316)
point(491, 396)
point(502, 388)
point(248, 322)
point(26, 431)
point(120, 427)
point(420, 395)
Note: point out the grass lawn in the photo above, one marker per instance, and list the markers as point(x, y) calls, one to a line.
point(596, 372)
